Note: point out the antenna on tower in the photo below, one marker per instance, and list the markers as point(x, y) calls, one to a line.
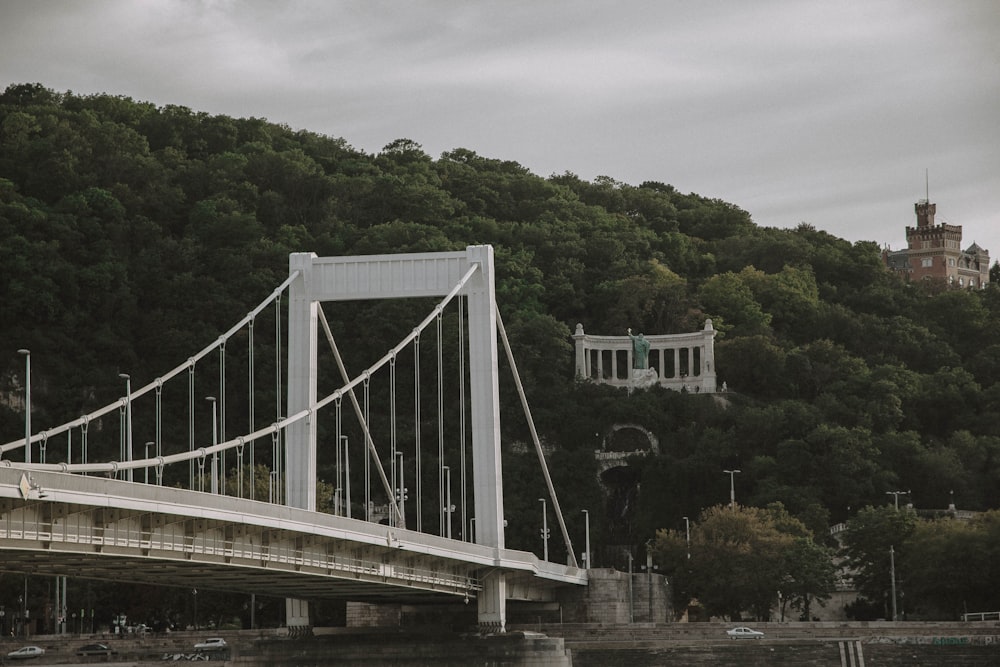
point(927, 184)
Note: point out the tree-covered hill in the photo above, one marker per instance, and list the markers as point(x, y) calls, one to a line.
point(132, 235)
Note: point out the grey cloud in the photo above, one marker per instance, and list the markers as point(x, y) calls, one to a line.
point(820, 112)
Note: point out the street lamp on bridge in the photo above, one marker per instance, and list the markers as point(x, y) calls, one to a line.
point(27, 403)
point(586, 543)
point(448, 507)
point(344, 473)
point(128, 421)
point(732, 487)
point(401, 492)
point(148, 445)
point(214, 487)
point(545, 531)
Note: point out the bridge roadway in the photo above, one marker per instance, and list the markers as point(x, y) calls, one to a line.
point(98, 528)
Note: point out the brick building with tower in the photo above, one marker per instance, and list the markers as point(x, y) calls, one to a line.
point(935, 251)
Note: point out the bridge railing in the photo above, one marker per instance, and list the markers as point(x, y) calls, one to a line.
point(23, 524)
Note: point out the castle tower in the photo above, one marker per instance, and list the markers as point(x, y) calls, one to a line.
point(925, 213)
point(935, 251)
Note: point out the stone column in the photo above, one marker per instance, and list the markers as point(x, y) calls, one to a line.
point(709, 377)
point(582, 353)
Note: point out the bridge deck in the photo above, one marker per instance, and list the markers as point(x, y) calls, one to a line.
point(101, 528)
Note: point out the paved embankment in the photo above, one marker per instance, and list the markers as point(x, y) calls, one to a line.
point(880, 644)
point(828, 644)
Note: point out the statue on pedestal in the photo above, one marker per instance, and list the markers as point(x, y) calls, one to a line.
point(640, 351)
point(642, 374)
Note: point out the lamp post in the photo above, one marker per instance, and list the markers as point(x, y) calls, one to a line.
point(687, 533)
point(148, 445)
point(338, 485)
point(24, 609)
point(347, 475)
point(586, 541)
point(732, 487)
point(128, 422)
point(896, 495)
point(448, 507)
point(545, 531)
point(27, 404)
point(892, 575)
point(401, 491)
point(649, 576)
point(214, 486)
point(631, 593)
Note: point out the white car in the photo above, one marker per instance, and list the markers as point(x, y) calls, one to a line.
point(26, 652)
point(211, 644)
point(744, 633)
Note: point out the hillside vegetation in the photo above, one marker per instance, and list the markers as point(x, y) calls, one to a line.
point(132, 235)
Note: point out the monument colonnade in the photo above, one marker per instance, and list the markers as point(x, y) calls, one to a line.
point(676, 361)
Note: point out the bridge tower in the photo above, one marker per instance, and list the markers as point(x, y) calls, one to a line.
point(391, 277)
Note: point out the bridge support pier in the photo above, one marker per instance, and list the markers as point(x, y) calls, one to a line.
point(492, 603)
point(297, 617)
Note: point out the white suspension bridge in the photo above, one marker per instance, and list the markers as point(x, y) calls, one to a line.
point(97, 519)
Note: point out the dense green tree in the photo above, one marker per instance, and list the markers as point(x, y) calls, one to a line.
point(947, 401)
point(730, 302)
point(790, 297)
point(872, 540)
point(948, 567)
point(810, 575)
point(728, 543)
point(652, 301)
point(752, 364)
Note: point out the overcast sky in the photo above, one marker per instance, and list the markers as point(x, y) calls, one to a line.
point(829, 113)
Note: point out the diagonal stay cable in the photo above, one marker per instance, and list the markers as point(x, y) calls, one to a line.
point(534, 437)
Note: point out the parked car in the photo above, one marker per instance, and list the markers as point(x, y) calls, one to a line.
point(96, 649)
point(211, 644)
point(744, 633)
point(26, 652)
